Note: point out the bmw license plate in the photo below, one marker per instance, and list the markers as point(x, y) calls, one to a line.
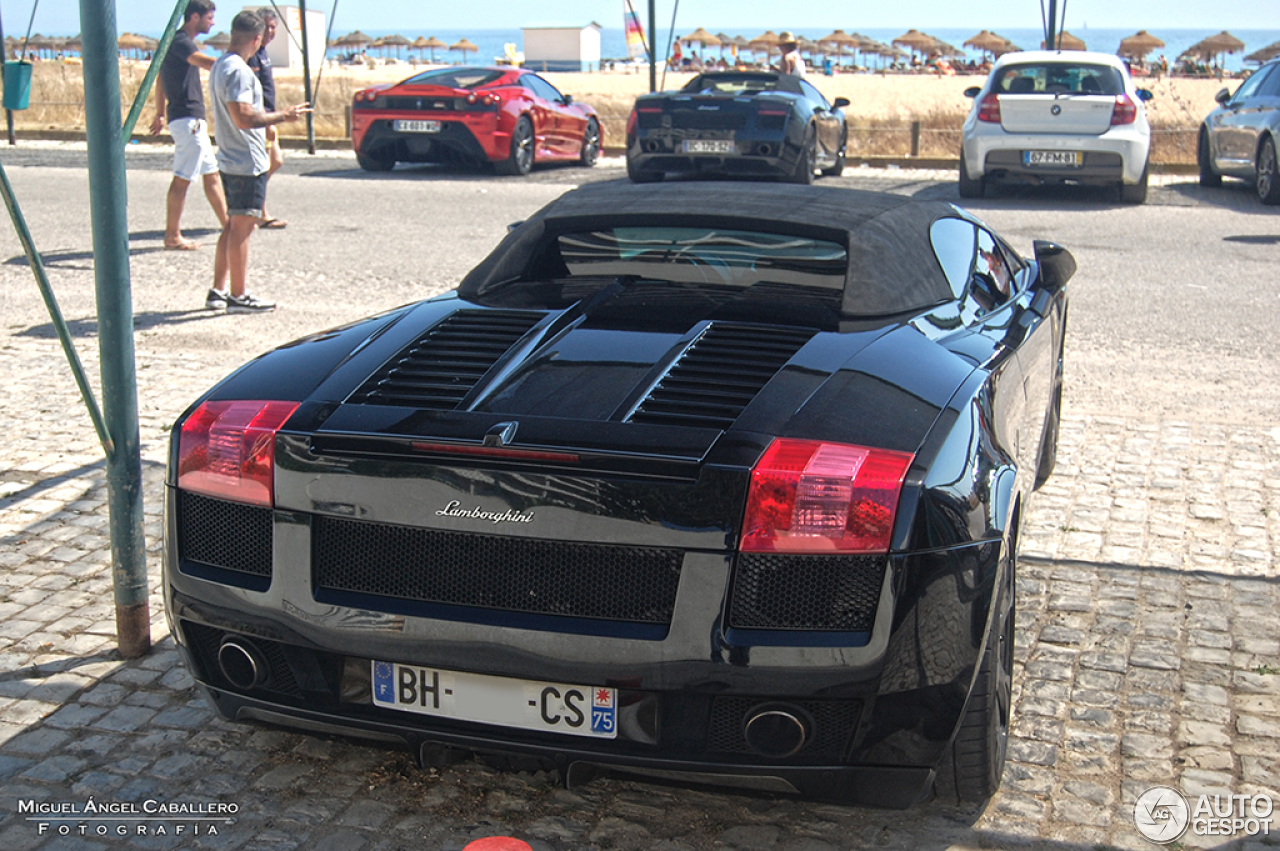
point(1070, 159)
point(708, 146)
point(404, 125)
point(550, 707)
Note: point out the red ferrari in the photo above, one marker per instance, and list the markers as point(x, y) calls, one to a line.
point(506, 116)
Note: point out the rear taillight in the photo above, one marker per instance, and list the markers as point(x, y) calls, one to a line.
point(807, 496)
point(228, 450)
point(1125, 111)
point(989, 109)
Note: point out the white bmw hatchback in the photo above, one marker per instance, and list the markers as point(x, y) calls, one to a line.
point(1047, 116)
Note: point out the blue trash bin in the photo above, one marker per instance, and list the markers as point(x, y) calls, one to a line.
point(17, 85)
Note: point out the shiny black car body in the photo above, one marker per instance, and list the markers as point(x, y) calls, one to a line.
point(732, 497)
point(737, 123)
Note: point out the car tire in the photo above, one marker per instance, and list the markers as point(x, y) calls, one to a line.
point(519, 161)
point(807, 163)
point(590, 143)
point(971, 767)
point(1267, 181)
point(1137, 192)
point(638, 176)
point(1208, 177)
point(970, 188)
point(375, 164)
point(838, 168)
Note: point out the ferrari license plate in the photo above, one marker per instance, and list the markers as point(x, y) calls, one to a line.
point(1070, 159)
point(404, 125)
point(708, 146)
point(552, 707)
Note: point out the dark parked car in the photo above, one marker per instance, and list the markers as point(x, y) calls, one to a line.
point(507, 117)
point(734, 496)
point(1241, 136)
point(743, 123)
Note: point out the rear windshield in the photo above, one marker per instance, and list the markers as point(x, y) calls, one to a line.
point(456, 78)
point(736, 84)
point(1059, 78)
point(699, 255)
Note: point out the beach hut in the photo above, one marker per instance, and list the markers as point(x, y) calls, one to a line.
point(1138, 45)
point(562, 48)
point(1066, 41)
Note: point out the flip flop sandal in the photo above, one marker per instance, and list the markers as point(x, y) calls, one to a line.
point(274, 224)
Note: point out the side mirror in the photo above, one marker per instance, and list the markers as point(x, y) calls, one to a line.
point(1144, 95)
point(1223, 95)
point(1056, 264)
point(568, 99)
point(514, 225)
point(973, 91)
point(840, 103)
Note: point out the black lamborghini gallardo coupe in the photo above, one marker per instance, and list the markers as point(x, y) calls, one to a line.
point(727, 496)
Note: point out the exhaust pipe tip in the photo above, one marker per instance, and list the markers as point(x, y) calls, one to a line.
point(776, 731)
point(652, 146)
point(242, 663)
point(764, 150)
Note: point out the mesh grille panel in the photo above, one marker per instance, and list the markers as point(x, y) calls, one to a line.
point(224, 534)
point(837, 593)
point(493, 572)
point(709, 119)
point(204, 642)
point(833, 724)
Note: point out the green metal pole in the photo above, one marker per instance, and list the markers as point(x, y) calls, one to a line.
point(153, 71)
point(306, 78)
point(108, 210)
point(653, 47)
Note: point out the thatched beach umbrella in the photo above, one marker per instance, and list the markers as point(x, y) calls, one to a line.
point(130, 42)
point(464, 47)
point(1264, 54)
point(989, 42)
point(1138, 45)
point(839, 39)
point(397, 41)
point(1066, 41)
point(1223, 42)
point(766, 41)
point(915, 41)
point(941, 48)
point(353, 39)
point(433, 44)
point(219, 41)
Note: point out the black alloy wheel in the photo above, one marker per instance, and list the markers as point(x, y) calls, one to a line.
point(520, 159)
point(807, 162)
point(837, 168)
point(590, 143)
point(1208, 177)
point(375, 164)
point(1267, 183)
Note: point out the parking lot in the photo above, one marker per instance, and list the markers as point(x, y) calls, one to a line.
point(1148, 640)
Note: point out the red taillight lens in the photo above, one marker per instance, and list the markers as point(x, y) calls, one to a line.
point(808, 496)
point(1125, 111)
point(631, 123)
point(989, 109)
point(228, 450)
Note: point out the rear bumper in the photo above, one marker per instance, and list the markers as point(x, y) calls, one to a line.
point(754, 156)
point(462, 138)
point(1117, 156)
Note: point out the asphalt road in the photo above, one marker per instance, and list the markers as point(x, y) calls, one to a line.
point(1172, 308)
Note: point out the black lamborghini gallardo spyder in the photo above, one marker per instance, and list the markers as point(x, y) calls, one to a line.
point(729, 496)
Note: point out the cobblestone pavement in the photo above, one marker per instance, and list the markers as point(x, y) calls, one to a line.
point(1148, 644)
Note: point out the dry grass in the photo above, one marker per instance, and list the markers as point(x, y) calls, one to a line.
point(881, 116)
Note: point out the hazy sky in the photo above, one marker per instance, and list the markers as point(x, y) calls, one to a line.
point(62, 17)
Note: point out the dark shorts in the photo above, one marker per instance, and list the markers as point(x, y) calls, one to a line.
point(246, 195)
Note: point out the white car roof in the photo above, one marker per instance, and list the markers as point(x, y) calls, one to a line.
point(1085, 57)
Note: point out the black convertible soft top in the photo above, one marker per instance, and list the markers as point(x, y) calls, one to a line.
point(892, 267)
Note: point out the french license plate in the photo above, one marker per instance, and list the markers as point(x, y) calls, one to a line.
point(405, 125)
point(1071, 159)
point(552, 707)
point(708, 146)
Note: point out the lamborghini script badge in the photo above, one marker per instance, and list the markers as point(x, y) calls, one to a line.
point(477, 513)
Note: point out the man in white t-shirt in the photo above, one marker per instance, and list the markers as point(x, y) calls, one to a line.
point(239, 123)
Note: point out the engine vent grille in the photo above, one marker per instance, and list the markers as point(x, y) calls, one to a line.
point(602, 581)
point(830, 725)
point(224, 535)
point(440, 368)
point(719, 375)
point(802, 592)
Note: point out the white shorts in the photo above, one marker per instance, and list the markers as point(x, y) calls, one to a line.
point(192, 150)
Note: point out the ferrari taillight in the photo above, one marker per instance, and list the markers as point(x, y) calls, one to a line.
point(809, 496)
point(1125, 111)
point(228, 450)
point(989, 109)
